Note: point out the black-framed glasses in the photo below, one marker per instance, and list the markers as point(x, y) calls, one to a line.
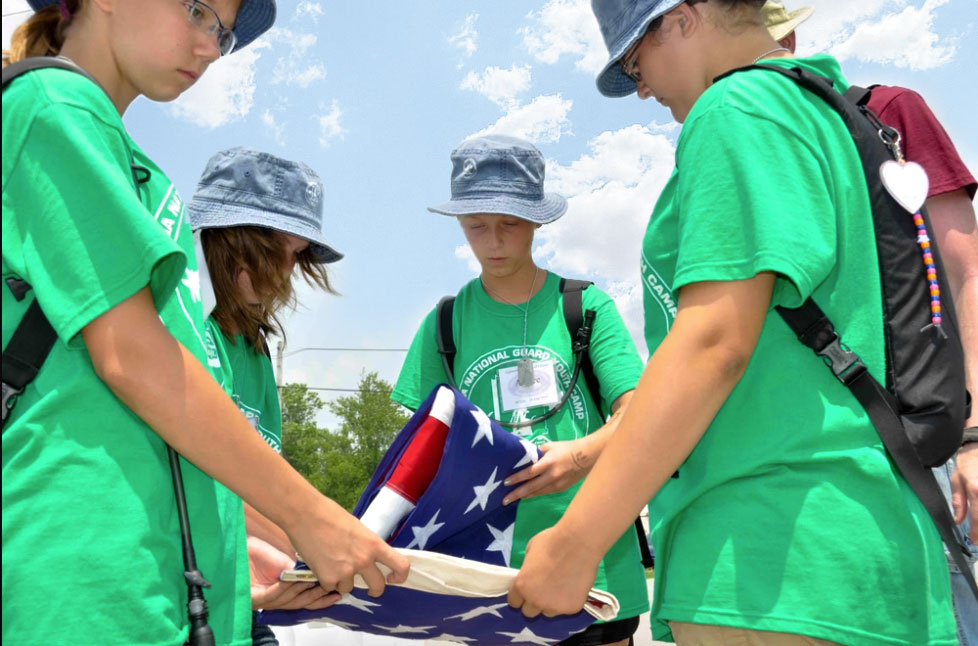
point(629, 62)
point(203, 17)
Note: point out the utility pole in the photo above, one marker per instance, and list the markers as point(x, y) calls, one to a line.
point(278, 370)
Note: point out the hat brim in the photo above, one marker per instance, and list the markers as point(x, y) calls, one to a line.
point(795, 18)
point(205, 214)
point(612, 81)
point(544, 211)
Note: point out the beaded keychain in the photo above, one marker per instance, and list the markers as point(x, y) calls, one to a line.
point(907, 182)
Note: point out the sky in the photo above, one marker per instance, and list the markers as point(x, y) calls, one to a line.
point(374, 96)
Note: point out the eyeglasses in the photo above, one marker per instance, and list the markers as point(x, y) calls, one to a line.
point(629, 62)
point(204, 18)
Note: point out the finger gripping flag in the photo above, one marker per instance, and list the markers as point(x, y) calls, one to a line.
point(437, 494)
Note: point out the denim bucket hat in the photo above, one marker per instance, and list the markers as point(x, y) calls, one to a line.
point(242, 187)
point(253, 19)
point(502, 175)
point(622, 22)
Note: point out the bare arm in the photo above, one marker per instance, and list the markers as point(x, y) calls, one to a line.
point(713, 337)
point(169, 389)
point(952, 217)
point(565, 463)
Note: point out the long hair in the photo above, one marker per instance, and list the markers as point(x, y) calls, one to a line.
point(260, 252)
point(43, 34)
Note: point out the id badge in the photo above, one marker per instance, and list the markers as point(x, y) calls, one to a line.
point(543, 392)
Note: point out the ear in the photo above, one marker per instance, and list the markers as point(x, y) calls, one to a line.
point(789, 42)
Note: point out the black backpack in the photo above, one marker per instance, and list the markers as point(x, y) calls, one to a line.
point(578, 323)
point(920, 411)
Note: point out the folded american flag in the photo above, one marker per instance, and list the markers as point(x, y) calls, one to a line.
point(439, 489)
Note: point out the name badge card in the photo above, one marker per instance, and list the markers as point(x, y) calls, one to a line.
point(543, 392)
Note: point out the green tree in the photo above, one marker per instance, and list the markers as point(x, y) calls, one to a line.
point(340, 463)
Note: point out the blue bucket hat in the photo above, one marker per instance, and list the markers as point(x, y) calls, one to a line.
point(242, 187)
point(622, 22)
point(501, 175)
point(253, 19)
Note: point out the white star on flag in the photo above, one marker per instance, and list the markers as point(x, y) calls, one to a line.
point(482, 492)
point(445, 637)
point(531, 453)
point(478, 612)
point(191, 281)
point(502, 541)
point(356, 602)
point(422, 534)
point(485, 427)
point(527, 636)
point(402, 629)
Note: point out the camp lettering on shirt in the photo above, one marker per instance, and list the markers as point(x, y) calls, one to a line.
point(788, 515)
point(91, 538)
point(250, 381)
point(489, 337)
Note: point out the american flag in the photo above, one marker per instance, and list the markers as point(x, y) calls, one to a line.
point(440, 488)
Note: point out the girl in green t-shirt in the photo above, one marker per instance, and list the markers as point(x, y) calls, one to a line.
point(91, 538)
point(259, 218)
point(788, 523)
point(515, 360)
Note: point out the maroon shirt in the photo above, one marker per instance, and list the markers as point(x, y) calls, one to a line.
point(923, 139)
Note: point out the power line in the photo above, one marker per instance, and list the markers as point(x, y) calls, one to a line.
point(350, 390)
point(297, 351)
point(17, 13)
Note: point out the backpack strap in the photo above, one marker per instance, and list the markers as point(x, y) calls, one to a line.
point(573, 291)
point(27, 349)
point(815, 330)
point(14, 70)
point(446, 340)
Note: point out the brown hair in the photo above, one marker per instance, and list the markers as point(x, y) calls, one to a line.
point(260, 252)
point(43, 34)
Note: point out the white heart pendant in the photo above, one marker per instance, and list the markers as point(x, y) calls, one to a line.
point(907, 182)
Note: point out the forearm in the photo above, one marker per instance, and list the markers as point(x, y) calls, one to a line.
point(592, 445)
point(262, 528)
point(170, 390)
point(666, 418)
point(966, 304)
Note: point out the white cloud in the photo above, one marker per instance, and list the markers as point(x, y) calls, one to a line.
point(225, 93)
point(313, 10)
point(610, 190)
point(905, 39)
point(543, 120)
point(499, 85)
point(329, 124)
point(566, 27)
point(296, 67)
point(277, 129)
point(895, 32)
point(465, 39)
point(464, 252)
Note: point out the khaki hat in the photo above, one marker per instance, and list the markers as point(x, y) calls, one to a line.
point(780, 22)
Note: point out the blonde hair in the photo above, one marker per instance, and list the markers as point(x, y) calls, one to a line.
point(261, 252)
point(43, 34)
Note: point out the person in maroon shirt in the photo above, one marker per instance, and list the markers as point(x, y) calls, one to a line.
point(952, 215)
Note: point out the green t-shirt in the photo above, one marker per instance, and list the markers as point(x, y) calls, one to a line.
point(788, 515)
point(489, 337)
point(252, 382)
point(91, 539)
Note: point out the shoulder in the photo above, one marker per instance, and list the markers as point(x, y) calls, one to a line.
point(35, 91)
point(884, 98)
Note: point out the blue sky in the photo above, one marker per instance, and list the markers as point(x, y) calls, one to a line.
point(374, 96)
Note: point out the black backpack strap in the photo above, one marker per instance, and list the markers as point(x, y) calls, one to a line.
point(446, 340)
point(573, 291)
point(29, 346)
point(14, 70)
point(815, 330)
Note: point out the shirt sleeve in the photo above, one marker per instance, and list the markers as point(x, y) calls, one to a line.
point(423, 368)
point(613, 355)
point(76, 223)
point(753, 196)
point(923, 139)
